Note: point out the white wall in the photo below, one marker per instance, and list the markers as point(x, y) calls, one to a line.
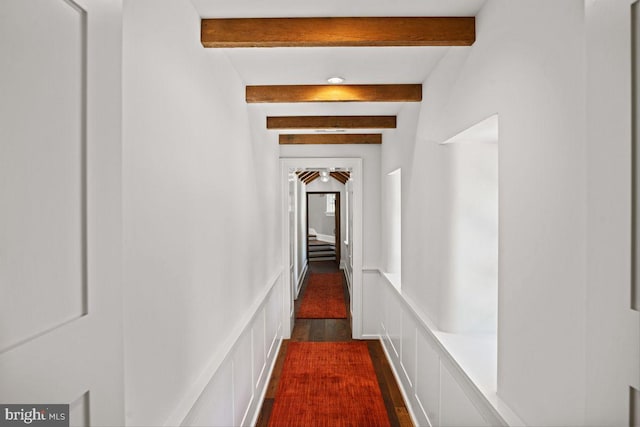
point(535, 80)
point(564, 206)
point(200, 202)
point(437, 391)
point(318, 218)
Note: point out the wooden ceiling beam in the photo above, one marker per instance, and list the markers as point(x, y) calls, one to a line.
point(346, 175)
point(331, 138)
point(337, 31)
point(305, 175)
point(338, 177)
point(315, 175)
point(334, 93)
point(332, 122)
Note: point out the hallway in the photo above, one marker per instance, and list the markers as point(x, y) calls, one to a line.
point(155, 162)
point(336, 330)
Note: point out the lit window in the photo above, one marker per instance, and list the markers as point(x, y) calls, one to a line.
point(331, 204)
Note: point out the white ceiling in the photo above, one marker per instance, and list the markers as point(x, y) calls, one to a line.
point(325, 8)
point(358, 65)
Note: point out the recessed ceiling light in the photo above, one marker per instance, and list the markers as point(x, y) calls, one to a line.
point(335, 80)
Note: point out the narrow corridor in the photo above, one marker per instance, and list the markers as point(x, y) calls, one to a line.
point(334, 331)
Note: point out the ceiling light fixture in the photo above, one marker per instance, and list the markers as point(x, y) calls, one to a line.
point(335, 80)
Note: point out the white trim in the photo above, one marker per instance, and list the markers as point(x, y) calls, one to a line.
point(263, 392)
point(225, 350)
point(347, 275)
point(287, 306)
point(372, 337)
point(405, 396)
point(492, 408)
point(355, 164)
point(301, 277)
point(326, 238)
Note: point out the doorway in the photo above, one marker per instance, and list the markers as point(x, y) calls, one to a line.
point(323, 226)
point(290, 167)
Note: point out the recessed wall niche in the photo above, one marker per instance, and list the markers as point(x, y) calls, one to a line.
point(470, 288)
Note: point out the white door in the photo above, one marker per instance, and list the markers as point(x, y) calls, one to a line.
point(60, 196)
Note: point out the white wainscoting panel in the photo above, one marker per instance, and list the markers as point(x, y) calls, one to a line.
point(212, 407)
point(234, 395)
point(456, 410)
point(273, 324)
point(394, 321)
point(428, 380)
point(436, 389)
point(371, 304)
point(242, 377)
point(258, 338)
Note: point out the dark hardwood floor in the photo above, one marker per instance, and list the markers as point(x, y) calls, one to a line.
point(337, 330)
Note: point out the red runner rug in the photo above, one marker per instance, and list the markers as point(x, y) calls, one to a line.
point(328, 384)
point(323, 298)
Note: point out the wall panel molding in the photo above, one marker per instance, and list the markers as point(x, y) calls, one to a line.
point(416, 354)
point(240, 370)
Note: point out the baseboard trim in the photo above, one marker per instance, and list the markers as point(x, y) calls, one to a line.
point(347, 276)
point(371, 337)
point(301, 277)
point(263, 392)
point(408, 402)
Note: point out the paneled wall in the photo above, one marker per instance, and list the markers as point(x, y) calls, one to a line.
point(234, 393)
point(437, 390)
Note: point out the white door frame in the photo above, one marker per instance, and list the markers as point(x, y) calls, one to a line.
point(355, 164)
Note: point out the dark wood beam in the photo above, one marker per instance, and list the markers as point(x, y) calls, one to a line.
point(305, 175)
point(338, 177)
point(346, 175)
point(331, 138)
point(332, 122)
point(315, 175)
point(334, 93)
point(342, 31)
